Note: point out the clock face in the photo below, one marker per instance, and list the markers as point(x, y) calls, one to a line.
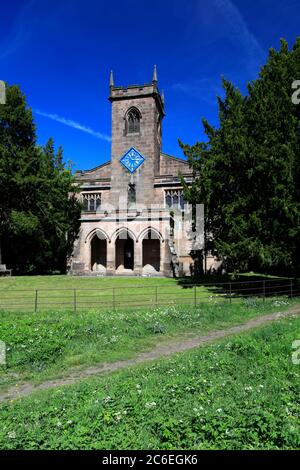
point(132, 160)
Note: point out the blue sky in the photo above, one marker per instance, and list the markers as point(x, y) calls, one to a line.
point(60, 52)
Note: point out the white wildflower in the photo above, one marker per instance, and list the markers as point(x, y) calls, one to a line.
point(107, 399)
point(150, 405)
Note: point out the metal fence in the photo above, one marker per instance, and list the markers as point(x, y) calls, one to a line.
point(145, 296)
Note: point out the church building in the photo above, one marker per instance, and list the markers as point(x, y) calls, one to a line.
point(133, 204)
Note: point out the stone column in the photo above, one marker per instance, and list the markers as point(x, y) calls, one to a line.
point(111, 258)
point(138, 257)
point(165, 259)
point(162, 257)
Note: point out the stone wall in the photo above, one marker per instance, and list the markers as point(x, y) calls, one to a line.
point(100, 172)
point(111, 229)
point(147, 101)
point(157, 173)
point(171, 166)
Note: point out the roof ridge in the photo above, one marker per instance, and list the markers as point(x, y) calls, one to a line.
point(95, 168)
point(175, 158)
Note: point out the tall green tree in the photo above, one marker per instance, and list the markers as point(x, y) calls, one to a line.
point(39, 212)
point(247, 172)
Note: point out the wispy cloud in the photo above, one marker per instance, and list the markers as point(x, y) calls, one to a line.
point(73, 124)
point(205, 89)
point(225, 17)
point(20, 31)
point(240, 32)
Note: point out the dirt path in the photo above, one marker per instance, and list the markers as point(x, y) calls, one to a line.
point(160, 351)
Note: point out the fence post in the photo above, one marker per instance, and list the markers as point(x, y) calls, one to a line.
point(195, 296)
point(75, 304)
point(230, 298)
point(36, 301)
point(114, 299)
point(291, 287)
point(264, 289)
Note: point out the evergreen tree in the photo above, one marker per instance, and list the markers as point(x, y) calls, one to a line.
point(247, 173)
point(39, 221)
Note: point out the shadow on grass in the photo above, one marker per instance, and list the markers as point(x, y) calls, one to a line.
point(245, 285)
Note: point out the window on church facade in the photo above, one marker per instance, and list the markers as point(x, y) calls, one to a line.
point(133, 121)
point(91, 201)
point(131, 194)
point(174, 199)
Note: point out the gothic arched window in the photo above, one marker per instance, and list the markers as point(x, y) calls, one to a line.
point(174, 199)
point(91, 201)
point(133, 121)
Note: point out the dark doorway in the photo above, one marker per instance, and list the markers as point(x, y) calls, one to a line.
point(98, 254)
point(129, 254)
point(125, 253)
point(151, 251)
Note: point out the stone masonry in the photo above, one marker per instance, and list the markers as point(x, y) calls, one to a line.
point(131, 212)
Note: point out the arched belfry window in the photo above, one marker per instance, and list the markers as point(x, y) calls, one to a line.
point(133, 118)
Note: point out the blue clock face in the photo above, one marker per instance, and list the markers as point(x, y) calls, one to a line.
point(132, 160)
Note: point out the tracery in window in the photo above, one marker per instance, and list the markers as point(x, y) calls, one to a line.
point(174, 199)
point(133, 121)
point(91, 201)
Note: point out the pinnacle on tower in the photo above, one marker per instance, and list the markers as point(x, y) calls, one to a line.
point(111, 79)
point(154, 75)
point(163, 96)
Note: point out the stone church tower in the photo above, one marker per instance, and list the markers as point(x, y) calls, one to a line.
point(128, 226)
point(142, 107)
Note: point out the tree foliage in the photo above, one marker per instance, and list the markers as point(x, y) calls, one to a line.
point(247, 173)
point(39, 211)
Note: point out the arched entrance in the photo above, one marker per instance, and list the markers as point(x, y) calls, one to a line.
point(151, 252)
point(124, 252)
point(98, 253)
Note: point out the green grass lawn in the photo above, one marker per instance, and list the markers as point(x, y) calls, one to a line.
point(47, 344)
point(240, 393)
point(66, 282)
point(38, 293)
point(81, 293)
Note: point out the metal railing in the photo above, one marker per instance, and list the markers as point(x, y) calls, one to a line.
point(144, 296)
